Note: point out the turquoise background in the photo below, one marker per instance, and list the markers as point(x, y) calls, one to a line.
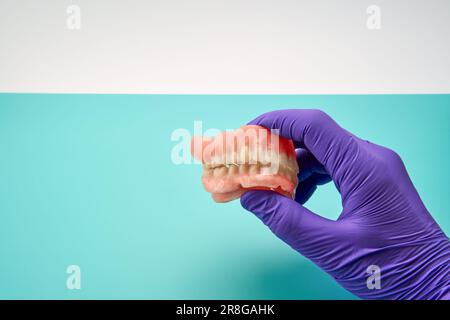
point(88, 180)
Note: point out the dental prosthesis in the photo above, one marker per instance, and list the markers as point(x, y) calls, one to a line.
point(249, 158)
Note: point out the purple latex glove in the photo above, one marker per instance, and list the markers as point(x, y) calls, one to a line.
point(383, 222)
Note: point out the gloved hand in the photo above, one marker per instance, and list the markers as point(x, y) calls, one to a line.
point(383, 224)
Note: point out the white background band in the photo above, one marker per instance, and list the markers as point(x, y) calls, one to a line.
point(233, 46)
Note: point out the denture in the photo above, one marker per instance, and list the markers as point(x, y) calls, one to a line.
point(249, 158)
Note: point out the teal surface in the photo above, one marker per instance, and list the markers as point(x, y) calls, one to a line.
point(88, 180)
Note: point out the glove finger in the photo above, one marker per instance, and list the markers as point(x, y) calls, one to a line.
point(331, 145)
point(300, 228)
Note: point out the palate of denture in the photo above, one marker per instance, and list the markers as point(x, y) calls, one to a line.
point(249, 158)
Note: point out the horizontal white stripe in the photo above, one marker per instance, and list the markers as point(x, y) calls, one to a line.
point(233, 46)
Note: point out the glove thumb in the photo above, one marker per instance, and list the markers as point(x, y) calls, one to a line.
point(304, 231)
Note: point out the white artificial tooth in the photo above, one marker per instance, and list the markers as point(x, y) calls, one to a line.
point(253, 169)
point(243, 155)
point(283, 159)
point(267, 171)
point(235, 157)
point(267, 156)
point(215, 160)
point(227, 157)
point(233, 170)
point(260, 154)
point(222, 171)
point(284, 170)
point(240, 155)
point(270, 156)
point(248, 153)
point(207, 171)
point(275, 162)
point(253, 154)
point(243, 169)
point(232, 154)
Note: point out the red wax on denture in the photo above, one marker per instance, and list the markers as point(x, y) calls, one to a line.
point(249, 158)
